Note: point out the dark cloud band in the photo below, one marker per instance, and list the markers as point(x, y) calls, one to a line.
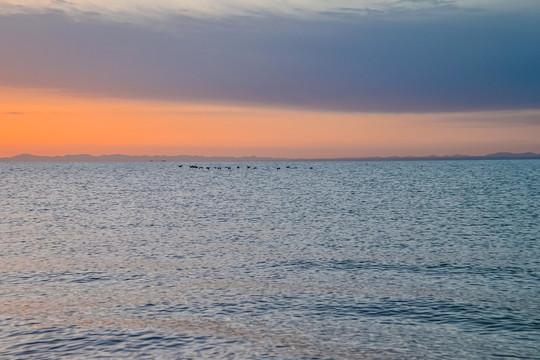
point(463, 62)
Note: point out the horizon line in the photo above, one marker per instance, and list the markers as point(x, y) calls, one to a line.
point(26, 157)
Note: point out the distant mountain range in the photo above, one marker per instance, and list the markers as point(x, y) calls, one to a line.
point(135, 158)
point(191, 158)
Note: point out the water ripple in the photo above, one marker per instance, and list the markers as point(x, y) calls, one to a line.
point(401, 260)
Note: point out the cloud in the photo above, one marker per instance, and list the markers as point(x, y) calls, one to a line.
point(511, 119)
point(12, 113)
point(143, 10)
point(345, 62)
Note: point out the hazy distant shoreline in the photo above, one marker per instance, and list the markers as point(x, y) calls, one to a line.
point(195, 158)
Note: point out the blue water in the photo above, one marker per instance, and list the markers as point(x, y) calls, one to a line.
point(348, 260)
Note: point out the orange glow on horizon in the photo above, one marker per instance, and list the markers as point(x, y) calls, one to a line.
point(48, 122)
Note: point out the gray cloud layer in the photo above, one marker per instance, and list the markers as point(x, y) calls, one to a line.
point(456, 62)
point(143, 11)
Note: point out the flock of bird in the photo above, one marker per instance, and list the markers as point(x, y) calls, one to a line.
point(231, 167)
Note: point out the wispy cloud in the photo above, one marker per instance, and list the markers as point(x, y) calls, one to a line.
point(124, 10)
point(492, 118)
point(12, 113)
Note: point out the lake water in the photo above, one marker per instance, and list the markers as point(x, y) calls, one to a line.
point(348, 260)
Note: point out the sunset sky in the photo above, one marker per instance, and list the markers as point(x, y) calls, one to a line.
point(290, 78)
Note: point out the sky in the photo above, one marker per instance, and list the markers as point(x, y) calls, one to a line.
point(288, 78)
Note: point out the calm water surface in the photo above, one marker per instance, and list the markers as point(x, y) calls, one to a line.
point(348, 260)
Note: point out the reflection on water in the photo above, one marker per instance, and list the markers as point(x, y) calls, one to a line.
point(396, 260)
